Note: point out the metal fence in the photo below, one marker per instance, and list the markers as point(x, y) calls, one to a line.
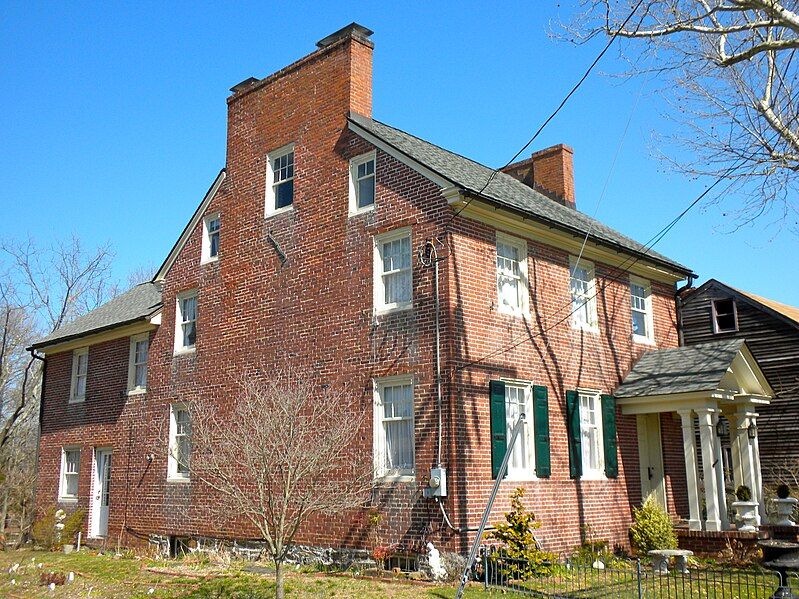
point(627, 580)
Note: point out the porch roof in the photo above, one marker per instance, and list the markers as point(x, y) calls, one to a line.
point(689, 369)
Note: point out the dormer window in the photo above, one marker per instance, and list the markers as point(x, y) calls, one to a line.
point(280, 180)
point(725, 316)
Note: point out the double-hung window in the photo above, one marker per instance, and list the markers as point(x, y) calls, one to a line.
point(518, 400)
point(186, 322)
point(280, 180)
point(583, 294)
point(210, 243)
point(512, 288)
point(393, 280)
point(362, 183)
point(593, 462)
point(179, 443)
point(137, 373)
point(641, 309)
point(393, 428)
point(80, 374)
point(70, 471)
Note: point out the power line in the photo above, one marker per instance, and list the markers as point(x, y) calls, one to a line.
point(551, 116)
point(624, 270)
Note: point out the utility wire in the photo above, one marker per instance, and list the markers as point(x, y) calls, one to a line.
point(625, 269)
point(551, 116)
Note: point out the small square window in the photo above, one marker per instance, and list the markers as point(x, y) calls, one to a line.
point(186, 322)
point(362, 183)
point(280, 180)
point(210, 242)
point(70, 471)
point(80, 374)
point(393, 284)
point(725, 316)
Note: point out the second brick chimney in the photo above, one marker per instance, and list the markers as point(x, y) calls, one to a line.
point(549, 171)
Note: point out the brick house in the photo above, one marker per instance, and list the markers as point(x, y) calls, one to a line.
point(308, 243)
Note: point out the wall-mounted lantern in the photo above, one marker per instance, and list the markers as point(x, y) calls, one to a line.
point(751, 430)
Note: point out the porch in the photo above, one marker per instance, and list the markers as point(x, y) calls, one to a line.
point(714, 388)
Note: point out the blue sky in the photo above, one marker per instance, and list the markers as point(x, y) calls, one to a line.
point(112, 118)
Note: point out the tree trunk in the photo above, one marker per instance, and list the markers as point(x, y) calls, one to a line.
point(4, 512)
point(280, 592)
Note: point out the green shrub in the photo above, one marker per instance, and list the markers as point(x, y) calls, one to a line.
point(743, 493)
point(47, 535)
point(524, 558)
point(652, 528)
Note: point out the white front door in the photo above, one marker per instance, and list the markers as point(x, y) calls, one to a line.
point(650, 456)
point(102, 483)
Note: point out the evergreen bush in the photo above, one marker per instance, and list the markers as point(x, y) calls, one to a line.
point(652, 528)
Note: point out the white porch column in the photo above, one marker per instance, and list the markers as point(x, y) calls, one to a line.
point(689, 451)
point(718, 468)
point(707, 433)
point(757, 473)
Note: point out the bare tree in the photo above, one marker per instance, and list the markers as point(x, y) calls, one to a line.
point(727, 67)
point(41, 288)
point(285, 448)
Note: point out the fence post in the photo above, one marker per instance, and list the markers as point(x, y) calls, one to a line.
point(484, 552)
point(638, 578)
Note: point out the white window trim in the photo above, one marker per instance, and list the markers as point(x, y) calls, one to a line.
point(378, 443)
point(598, 473)
point(179, 348)
point(205, 252)
point(716, 330)
point(73, 387)
point(379, 291)
point(529, 425)
point(62, 497)
point(593, 325)
point(269, 192)
point(172, 474)
point(520, 244)
point(133, 389)
point(649, 338)
point(353, 199)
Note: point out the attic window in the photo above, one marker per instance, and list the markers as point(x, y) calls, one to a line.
point(725, 316)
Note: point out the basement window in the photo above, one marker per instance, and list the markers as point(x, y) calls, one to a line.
point(725, 316)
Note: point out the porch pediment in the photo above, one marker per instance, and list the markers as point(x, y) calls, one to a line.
point(706, 375)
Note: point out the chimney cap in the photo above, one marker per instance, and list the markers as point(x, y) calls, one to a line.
point(351, 30)
point(244, 84)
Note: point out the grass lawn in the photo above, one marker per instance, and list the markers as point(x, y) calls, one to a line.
point(105, 576)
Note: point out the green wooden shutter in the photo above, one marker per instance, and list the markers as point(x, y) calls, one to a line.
point(574, 434)
point(609, 435)
point(541, 422)
point(499, 426)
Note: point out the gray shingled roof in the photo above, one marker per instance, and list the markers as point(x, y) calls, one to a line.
point(680, 370)
point(505, 190)
point(138, 303)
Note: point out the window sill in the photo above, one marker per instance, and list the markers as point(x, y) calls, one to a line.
point(178, 479)
point(76, 400)
point(392, 309)
point(594, 476)
point(594, 329)
point(643, 340)
point(209, 260)
point(67, 500)
point(137, 391)
point(276, 211)
point(395, 478)
point(522, 314)
point(185, 351)
point(359, 211)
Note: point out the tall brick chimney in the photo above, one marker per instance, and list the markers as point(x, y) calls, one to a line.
point(550, 171)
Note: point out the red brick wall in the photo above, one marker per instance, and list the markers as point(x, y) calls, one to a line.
point(317, 307)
